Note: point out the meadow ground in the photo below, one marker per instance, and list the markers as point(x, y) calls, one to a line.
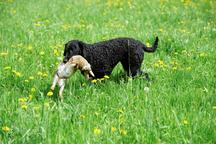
point(178, 105)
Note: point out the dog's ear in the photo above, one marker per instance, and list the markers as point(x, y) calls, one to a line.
point(65, 49)
point(82, 48)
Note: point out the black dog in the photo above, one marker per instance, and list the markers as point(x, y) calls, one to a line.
point(104, 56)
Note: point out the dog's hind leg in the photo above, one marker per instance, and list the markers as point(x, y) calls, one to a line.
point(61, 84)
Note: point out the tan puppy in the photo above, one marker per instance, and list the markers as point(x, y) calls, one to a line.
point(65, 70)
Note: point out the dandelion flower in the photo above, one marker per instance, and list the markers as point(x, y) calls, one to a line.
point(214, 107)
point(39, 73)
point(33, 89)
point(120, 111)
point(174, 68)
point(97, 131)
point(18, 74)
point(22, 100)
point(123, 132)
point(24, 106)
point(101, 79)
point(148, 44)
point(31, 77)
point(30, 97)
point(106, 77)
point(82, 117)
point(50, 93)
point(45, 75)
point(188, 68)
point(26, 80)
point(3, 54)
point(94, 81)
point(203, 54)
point(29, 47)
point(185, 122)
point(6, 129)
point(113, 129)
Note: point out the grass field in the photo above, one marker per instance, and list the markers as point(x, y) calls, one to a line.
point(178, 105)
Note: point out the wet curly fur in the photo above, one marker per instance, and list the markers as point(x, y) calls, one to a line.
point(105, 55)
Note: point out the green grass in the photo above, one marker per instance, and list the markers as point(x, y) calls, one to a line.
point(180, 106)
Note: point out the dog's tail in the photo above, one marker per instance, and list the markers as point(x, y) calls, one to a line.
point(153, 48)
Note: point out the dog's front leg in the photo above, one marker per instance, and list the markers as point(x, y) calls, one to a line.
point(55, 80)
point(61, 83)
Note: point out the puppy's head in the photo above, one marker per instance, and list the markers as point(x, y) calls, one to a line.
point(87, 68)
point(74, 47)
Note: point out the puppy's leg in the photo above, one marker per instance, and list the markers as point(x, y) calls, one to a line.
point(55, 80)
point(61, 84)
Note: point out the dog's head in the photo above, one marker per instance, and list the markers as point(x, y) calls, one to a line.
point(74, 47)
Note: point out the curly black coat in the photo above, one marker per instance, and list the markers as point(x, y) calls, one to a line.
point(104, 56)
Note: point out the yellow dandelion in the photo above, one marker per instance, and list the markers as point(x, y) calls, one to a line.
point(161, 30)
point(3, 54)
point(24, 106)
point(29, 47)
point(26, 80)
point(82, 117)
point(185, 122)
point(214, 107)
point(106, 77)
point(113, 129)
point(39, 73)
point(6, 129)
point(50, 93)
point(174, 68)
point(22, 100)
point(30, 97)
point(56, 52)
point(45, 75)
point(7, 68)
point(33, 89)
point(123, 132)
point(94, 81)
point(188, 68)
point(148, 44)
point(101, 79)
point(97, 131)
point(37, 24)
point(31, 77)
point(203, 54)
point(18, 74)
point(120, 111)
